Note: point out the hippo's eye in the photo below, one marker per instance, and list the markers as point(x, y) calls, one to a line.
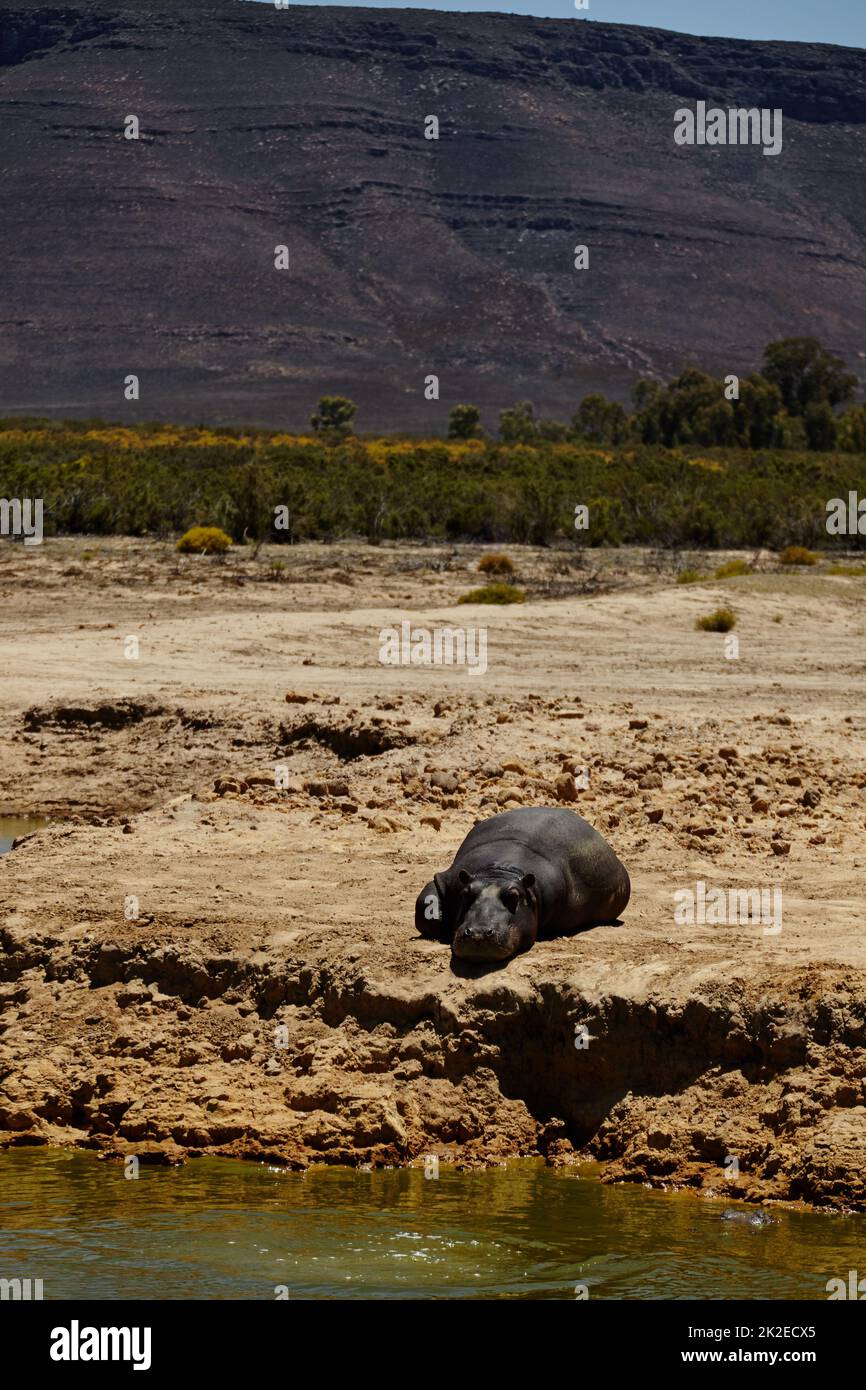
point(511, 898)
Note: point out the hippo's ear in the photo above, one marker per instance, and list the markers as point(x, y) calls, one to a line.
point(465, 878)
point(430, 910)
point(528, 882)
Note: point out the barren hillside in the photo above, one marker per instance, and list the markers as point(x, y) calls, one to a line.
point(407, 256)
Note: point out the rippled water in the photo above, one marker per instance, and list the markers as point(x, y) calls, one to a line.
point(13, 826)
point(219, 1229)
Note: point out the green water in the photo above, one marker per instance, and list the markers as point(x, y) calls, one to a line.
point(216, 1229)
point(13, 826)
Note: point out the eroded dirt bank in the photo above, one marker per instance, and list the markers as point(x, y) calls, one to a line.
point(271, 997)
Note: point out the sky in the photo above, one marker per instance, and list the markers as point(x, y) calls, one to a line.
point(802, 21)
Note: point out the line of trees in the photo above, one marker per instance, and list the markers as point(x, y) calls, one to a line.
point(795, 402)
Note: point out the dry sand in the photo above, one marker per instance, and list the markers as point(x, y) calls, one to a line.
point(272, 998)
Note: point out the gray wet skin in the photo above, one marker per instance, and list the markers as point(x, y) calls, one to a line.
point(532, 872)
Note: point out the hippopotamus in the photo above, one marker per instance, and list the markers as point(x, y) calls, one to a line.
point(535, 871)
point(750, 1218)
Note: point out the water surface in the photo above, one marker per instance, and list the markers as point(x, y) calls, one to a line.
point(13, 826)
point(219, 1229)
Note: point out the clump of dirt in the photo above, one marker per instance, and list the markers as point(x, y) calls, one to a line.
point(348, 741)
point(108, 714)
point(196, 722)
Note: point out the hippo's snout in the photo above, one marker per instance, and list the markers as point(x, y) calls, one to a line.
point(485, 943)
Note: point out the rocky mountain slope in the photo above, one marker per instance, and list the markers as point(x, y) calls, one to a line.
point(407, 256)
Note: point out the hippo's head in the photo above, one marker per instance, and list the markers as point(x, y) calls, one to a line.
point(497, 916)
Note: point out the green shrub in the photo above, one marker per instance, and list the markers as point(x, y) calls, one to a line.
point(797, 555)
point(732, 569)
point(464, 422)
point(518, 425)
point(334, 415)
point(722, 620)
point(494, 593)
point(496, 564)
point(204, 540)
point(689, 577)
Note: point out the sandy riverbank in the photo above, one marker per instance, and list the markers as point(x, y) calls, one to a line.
point(272, 997)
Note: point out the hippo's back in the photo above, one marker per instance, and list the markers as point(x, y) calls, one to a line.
point(561, 848)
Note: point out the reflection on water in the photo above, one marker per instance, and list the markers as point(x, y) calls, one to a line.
point(13, 826)
point(218, 1229)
